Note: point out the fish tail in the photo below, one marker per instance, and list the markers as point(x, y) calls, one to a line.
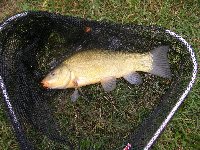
point(160, 65)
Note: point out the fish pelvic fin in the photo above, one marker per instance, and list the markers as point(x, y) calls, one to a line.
point(133, 78)
point(108, 83)
point(160, 65)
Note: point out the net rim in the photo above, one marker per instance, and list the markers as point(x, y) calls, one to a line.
point(17, 128)
point(185, 93)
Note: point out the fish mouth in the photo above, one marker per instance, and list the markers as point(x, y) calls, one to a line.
point(45, 84)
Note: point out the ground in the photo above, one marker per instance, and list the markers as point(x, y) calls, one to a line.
point(182, 17)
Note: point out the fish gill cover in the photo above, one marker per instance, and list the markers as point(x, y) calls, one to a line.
point(33, 44)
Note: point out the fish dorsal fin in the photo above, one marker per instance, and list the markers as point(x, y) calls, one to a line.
point(133, 78)
point(108, 83)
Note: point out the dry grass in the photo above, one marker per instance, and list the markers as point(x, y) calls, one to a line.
point(9, 7)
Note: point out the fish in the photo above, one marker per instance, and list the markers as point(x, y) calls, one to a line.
point(104, 66)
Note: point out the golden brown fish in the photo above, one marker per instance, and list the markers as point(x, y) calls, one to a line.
point(94, 66)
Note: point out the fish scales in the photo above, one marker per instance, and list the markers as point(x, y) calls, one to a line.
point(95, 65)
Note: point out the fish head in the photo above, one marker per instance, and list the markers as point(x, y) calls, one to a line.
point(58, 78)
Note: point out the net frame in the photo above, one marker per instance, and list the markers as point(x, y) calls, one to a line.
point(21, 137)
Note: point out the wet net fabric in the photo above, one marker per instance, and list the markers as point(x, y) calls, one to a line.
point(33, 44)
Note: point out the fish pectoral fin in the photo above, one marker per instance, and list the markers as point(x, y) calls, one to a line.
point(82, 94)
point(108, 83)
point(133, 78)
point(75, 95)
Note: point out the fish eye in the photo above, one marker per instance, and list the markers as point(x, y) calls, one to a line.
point(52, 73)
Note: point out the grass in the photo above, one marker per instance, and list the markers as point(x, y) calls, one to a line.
point(183, 132)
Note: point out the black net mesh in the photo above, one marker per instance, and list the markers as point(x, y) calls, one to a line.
point(30, 46)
